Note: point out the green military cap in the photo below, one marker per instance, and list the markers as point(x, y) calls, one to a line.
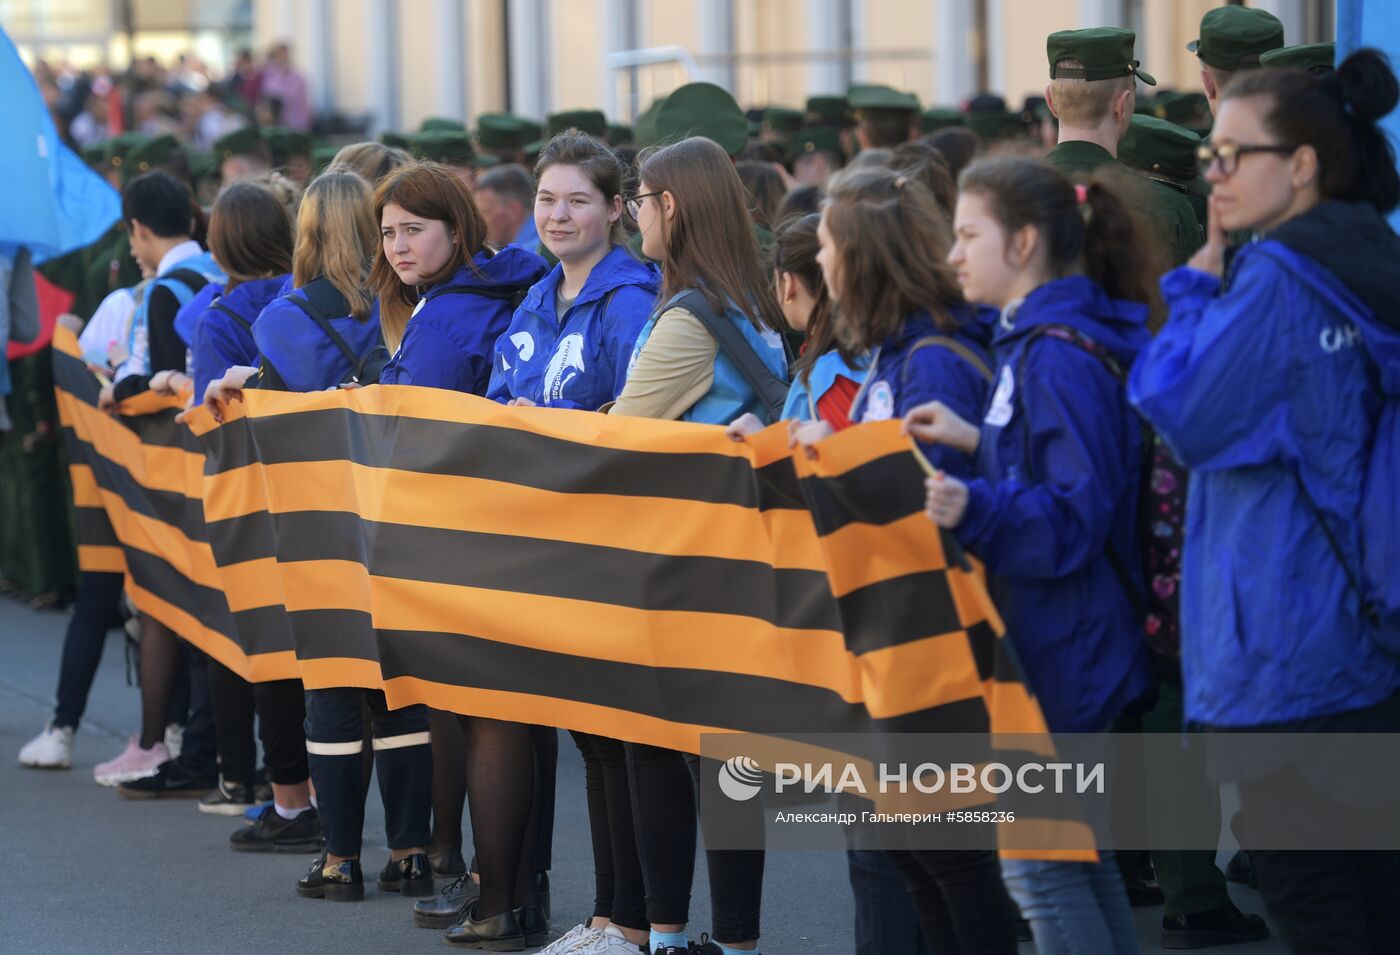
point(1236, 37)
point(1311, 57)
point(450, 146)
point(618, 134)
point(782, 120)
point(994, 124)
point(505, 131)
point(828, 111)
point(814, 139)
point(283, 142)
point(1191, 110)
point(590, 121)
point(1106, 52)
point(440, 122)
point(865, 96)
point(1156, 146)
point(644, 127)
point(321, 157)
point(151, 154)
point(702, 109)
point(247, 139)
point(116, 150)
point(397, 140)
point(94, 155)
point(203, 165)
point(940, 117)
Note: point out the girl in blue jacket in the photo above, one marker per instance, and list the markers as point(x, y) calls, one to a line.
point(445, 297)
point(1273, 381)
point(1052, 507)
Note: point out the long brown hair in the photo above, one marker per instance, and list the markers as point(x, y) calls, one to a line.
point(373, 161)
point(892, 243)
point(250, 233)
point(336, 236)
point(431, 191)
point(795, 249)
point(711, 246)
point(1108, 241)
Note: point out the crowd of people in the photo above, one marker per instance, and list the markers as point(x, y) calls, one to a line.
point(1148, 370)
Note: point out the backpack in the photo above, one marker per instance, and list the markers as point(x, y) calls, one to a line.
point(771, 390)
point(321, 300)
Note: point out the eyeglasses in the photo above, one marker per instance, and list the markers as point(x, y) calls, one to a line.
point(634, 205)
point(1228, 155)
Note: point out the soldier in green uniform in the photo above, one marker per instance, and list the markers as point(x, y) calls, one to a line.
point(590, 121)
point(940, 117)
point(241, 154)
point(1315, 58)
point(453, 148)
point(780, 124)
point(885, 117)
point(833, 112)
point(505, 135)
point(396, 140)
point(290, 151)
point(1233, 39)
point(814, 154)
point(1092, 92)
point(1166, 153)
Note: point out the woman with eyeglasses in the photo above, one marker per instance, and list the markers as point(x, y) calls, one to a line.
point(1274, 381)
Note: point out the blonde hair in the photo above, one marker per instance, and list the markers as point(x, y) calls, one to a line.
point(1085, 102)
point(337, 237)
point(373, 161)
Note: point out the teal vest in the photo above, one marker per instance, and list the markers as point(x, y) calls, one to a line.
point(138, 337)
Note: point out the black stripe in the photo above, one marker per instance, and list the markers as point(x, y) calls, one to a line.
point(168, 507)
point(71, 375)
point(93, 529)
point(335, 633)
point(877, 492)
point(509, 455)
point(160, 430)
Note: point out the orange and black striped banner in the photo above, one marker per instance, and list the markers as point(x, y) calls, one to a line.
point(644, 580)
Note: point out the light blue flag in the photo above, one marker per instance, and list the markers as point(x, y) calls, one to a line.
point(1374, 23)
point(53, 202)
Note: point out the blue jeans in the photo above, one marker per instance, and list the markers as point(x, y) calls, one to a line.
point(1073, 907)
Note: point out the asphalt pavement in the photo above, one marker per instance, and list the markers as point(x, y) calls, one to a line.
point(86, 871)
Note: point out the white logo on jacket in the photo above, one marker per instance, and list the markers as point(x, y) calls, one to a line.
point(1337, 337)
point(880, 405)
point(564, 367)
point(1000, 411)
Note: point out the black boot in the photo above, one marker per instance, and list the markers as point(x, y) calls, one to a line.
point(533, 925)
point(341, 882)
point(410, 876)
point(1240, 869)
point(271, 833)
point(446, 908)
point(499, 933)
point(448, 863)
point(1222, 926)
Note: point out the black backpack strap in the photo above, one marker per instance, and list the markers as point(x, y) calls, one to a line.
point(189, 278)
point(770, 389)
point(1369, 611)
point(319, 299)
point(954, 346)
point(247, 325)
point(515, 294)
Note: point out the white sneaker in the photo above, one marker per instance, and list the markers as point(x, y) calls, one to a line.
point(609, 941)
point(51, 749)
point(175, 739)
point(571, 941)
point(131, 764)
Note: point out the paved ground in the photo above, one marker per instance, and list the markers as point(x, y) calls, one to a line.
point(86, 871)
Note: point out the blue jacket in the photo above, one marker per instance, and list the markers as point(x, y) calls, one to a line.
point(802, 398)
point(580, 362)
point(903, 376)
point(1058, 467)
point(302, 354)
point(187, 318)
point(220, 342)
point(1263, 387)
point(449, 340)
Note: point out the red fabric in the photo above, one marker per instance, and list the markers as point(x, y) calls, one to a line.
point(834, 407)
point(53, 302)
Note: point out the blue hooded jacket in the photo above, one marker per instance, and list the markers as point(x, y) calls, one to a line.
point(302, 354)
point(1263, 386)
point(580, 362)
point(449, 340)
point(902, 377)
point(1059, 463)
point(220, 342)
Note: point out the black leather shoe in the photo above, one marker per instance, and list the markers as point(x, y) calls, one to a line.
point(1222, 926)
point(341, 882)
point(1240, 869)
point(271, 833)
point(499, 933)
point(448, 863)
point(533, 925)
point(171, 781)
point(448, 906)
point(1143, 889)
point(409, 876)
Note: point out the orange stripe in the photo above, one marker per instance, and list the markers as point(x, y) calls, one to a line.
point(85, 492)
point(251, 584)
point(157, 468)
point(192, 559)
point(107, 560)
point(859, 555)
point(261, 667)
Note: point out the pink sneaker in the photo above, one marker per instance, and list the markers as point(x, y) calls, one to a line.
point(133, 763)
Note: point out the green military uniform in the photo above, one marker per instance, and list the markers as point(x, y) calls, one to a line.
point(1316, 58)
point(505, 134)
point(1165, 153)
point(452, 147)
point(780, 123)
point(828, 111)
point(1234, 38)
point(1107, 53)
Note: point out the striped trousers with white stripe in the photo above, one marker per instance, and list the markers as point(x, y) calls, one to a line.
point(403, 761)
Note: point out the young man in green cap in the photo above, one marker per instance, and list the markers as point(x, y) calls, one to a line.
point(814, 154)
point(1093, 93)
point(505, 135)
point(290, 151)
point(884, 117)
point(780, 124)
point(452, 148)
point(241, 154)
point(702, 109)
point(1318, 59)
point(1233, 39)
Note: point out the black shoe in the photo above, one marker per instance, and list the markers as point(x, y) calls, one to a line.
point(341, 882)
point(272, 833)
point(228, 799)
point(541, 891)
point(446, 908)
point(171, 781)
point(1142, 888)
point(262, 792)
point(705, 947)
point(1222, 926)
point(448, 863)
point(1023, 930)
point(499, 933)
point(1240, 869)
point(409, 876)
point(533, 925)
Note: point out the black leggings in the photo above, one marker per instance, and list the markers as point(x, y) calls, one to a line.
point(280, 706)
point(617, 872)
point(501, 796)
point(962, 903)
